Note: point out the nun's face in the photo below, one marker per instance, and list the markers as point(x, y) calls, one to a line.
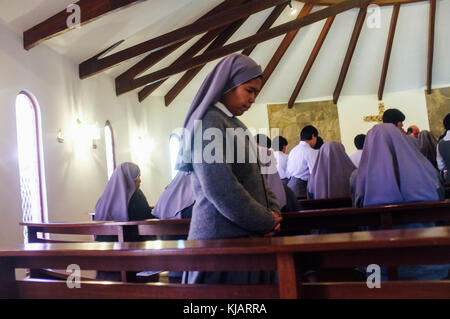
point(241, 98)
point(137, 182)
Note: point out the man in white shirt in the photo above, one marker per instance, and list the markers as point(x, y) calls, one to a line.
point(301, 160)
point(279, 143)
point(442, 150)
point(359, 143)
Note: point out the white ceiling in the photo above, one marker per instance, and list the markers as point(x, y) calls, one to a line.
point(148, 19)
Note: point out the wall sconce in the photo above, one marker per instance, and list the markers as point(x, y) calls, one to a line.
point(86, 134)
point(60, 136)
point(95, 135)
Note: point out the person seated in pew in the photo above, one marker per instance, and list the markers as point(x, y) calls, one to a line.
point(319, 143)
point(393, 171)
point(286, 198)
point(301, 161)
point(330, 177)
point(359, 143)
point(176, 202)
point(232, 198)
point(122, 201)
point(443, 151)
point(279, 143)
point(396, 117)
point(428, 145)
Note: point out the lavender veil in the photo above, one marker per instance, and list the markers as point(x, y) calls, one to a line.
point(330, 176)
point(229, 73)
point(113, 204)
point(393, 171)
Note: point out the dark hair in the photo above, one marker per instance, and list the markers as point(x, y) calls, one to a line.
point(393, 116)
point(263, 140)
point(319, 143)
point(359, 141)
point(447, 122)
point(409, 130)
point(307, 133)
point(279, 141)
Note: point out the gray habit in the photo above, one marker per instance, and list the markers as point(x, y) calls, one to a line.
point(233, 200)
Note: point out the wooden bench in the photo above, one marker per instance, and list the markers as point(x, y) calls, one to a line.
point(310, 204)
point(385, 216)
point(288, 255)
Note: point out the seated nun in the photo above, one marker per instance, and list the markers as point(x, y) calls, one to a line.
point(122, 201)
point(177, 200)
point(393, 171)
point(428, 144)
point(330, 177)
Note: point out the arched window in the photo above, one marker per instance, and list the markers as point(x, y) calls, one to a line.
point(31, 163)
point(174, 146)
point(110, 150)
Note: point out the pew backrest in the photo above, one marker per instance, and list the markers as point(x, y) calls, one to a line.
point(286, 255)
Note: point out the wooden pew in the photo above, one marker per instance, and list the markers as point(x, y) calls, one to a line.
point(385, 216)
point(310, 204)
point(288, 255)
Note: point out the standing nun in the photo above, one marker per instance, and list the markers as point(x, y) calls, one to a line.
point(232, 197)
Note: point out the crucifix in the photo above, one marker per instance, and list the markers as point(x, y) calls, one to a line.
point(376, 118)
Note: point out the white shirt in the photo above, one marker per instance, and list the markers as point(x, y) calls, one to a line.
point(439, 159)
point(223, 108)
point(282, 160)
point(356, 157)
point(301, 161)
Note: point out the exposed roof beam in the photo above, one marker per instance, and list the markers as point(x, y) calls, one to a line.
point(91, 67)
point(351, 49)
point(190, 74)
point(432, 20)
point(157, 56)
point(311, 60)
point(284, 45)
point(247, 42)
point(267, 24)
point(387, 54)
point(57, 24)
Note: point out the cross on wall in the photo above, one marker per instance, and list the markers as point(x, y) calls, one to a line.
point(376, 118)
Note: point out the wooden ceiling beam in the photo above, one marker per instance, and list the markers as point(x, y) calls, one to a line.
point(91, 67)
point(267, 24)
point(247, 42)
point(432, 21)
point(284, 45)
point(190, 74)
point(311, 60)
point(57, 24)
point(387, 54)
point(351, 49)
point(157, 56)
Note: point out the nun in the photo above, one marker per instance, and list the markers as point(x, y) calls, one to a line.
point(177, 200)
point(122, 201)
point(232, 197)
point(428, 145)
point(394, 171)
point(330, 177)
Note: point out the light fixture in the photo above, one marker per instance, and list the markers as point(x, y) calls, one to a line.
point(60, 136)
point(293, 11)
